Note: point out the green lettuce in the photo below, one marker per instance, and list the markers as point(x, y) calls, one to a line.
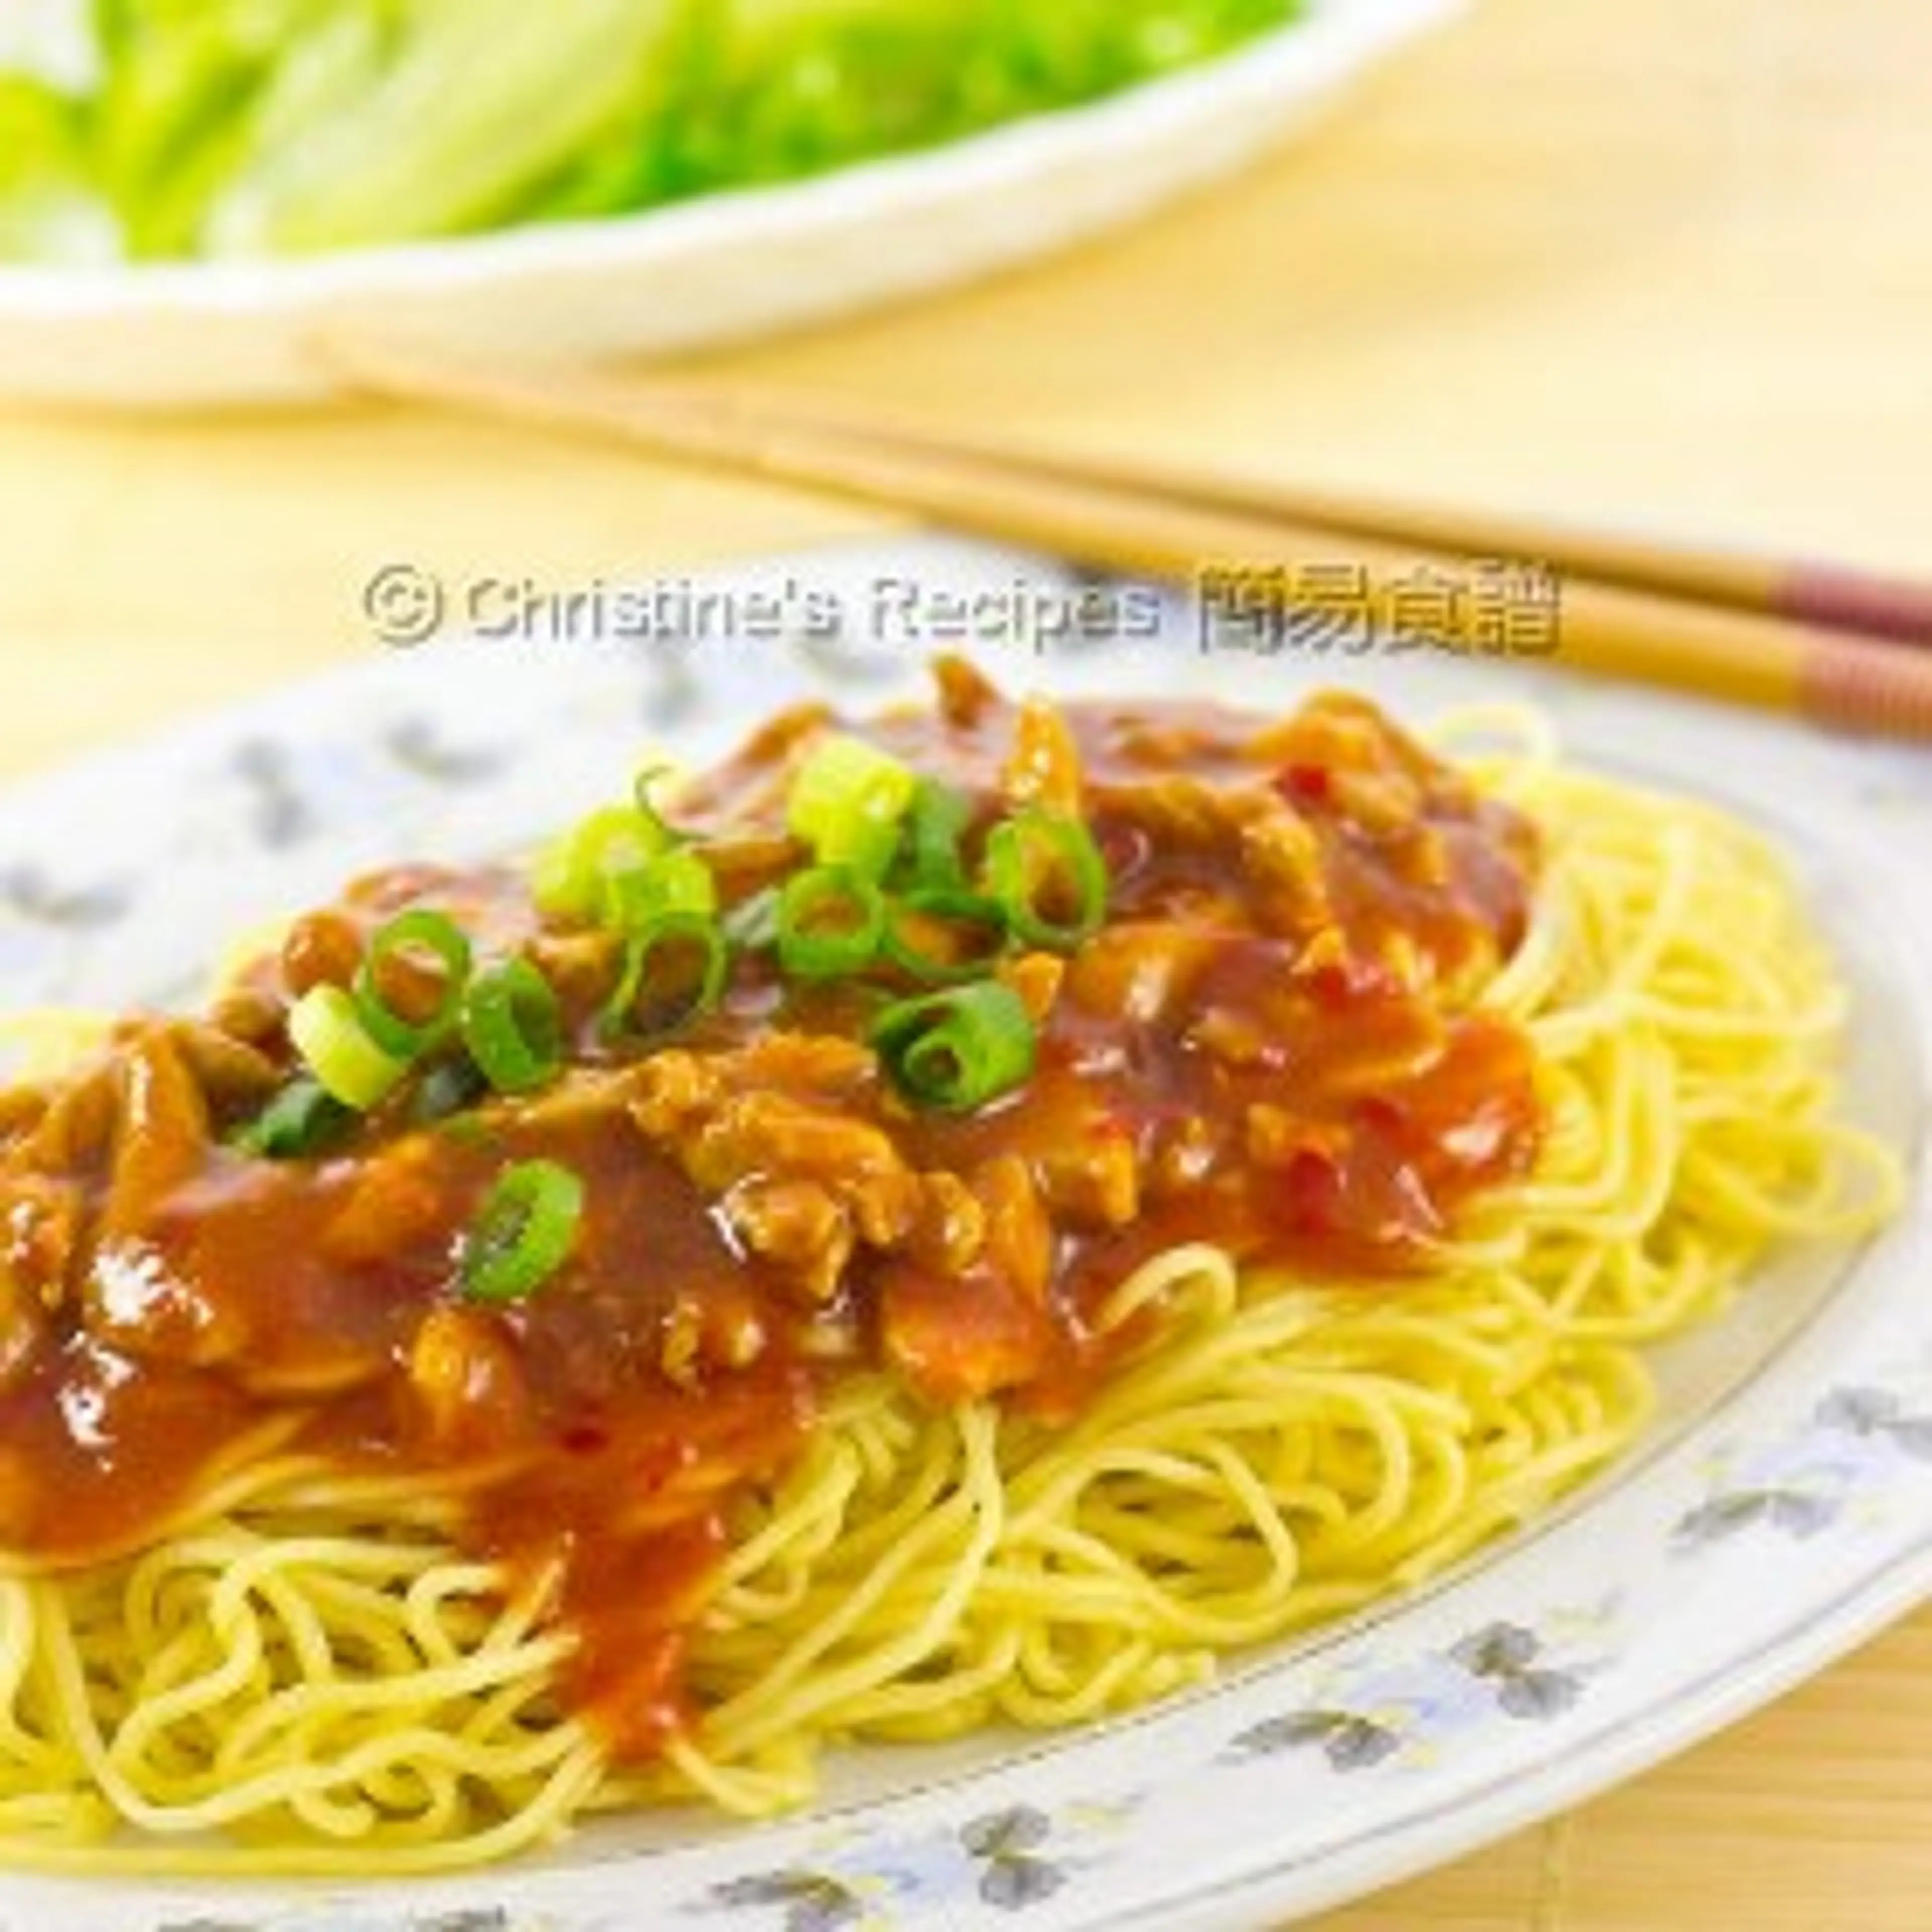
point(49, 209)
point(293, 127)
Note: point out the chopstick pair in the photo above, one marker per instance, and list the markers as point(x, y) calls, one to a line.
point(1845, 649)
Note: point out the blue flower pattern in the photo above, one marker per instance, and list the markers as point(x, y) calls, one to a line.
point(1010, 1861)
point(1858, 1441)
point(1376, 1710)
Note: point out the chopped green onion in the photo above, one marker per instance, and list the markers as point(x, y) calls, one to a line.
point(956, 1051)
point(705, 986)
point(752, 926)
point(1039, 862)
point(302, 1119)
point(523, 1233)
point(847, 802)
point(572, 876)
point(935, 826)
point(832, 922)
point(674, 882)
point(418, 932)
point(325, 1025)
point(667, 835)
point(951, 908)
point(449, 1089)
point(513, 1027)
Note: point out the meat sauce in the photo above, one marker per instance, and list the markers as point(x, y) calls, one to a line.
point(1273, 1045)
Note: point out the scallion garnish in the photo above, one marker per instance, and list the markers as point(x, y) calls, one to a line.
point(673, 882)
point(944, 910)
point(1050, 881)
point(303, 1119)
point(667, 835)
point(513, 1027)
point(752, 925)
point(680, 963)
point(832, 923)
point(955, 1051)
point(573, 874)
point(934, 826)
point(447, 1091)
point(847, 802)
point(325, 1026)
point(412, 933)
point(523, 1233)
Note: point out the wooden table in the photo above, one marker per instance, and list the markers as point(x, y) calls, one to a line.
point(1664, 261)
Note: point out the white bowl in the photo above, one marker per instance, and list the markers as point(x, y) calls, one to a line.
point(701, 272)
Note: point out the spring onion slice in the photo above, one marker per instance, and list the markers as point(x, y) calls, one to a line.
point(752, 925)
point(325, 1026)
point(832, 923)
point(514, 1028)
point(447, 1091)
point(667, 835)
point(847, 802)
point(674, 882)
point(957, 1051)
point(669, 935)
point(934, 826)
point(573, 874)
point(417, 931)
point(951, 908)
point(523, 1233)
point(304, 1118)
point(1038, 856)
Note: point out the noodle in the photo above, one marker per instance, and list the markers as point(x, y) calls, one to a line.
point(313, 1669)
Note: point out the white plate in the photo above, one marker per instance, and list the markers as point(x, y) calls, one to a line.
point(1780, 1512)
point(702, 271)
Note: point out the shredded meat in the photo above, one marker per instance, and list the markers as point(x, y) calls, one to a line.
point(775, 1134)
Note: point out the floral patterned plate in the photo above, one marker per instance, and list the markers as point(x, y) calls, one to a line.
point(1781, 1511)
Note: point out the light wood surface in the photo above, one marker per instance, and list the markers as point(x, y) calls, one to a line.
point(1661, 263)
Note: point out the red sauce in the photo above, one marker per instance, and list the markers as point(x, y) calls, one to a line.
point(1271, 1046)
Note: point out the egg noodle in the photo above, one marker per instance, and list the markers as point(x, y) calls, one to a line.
point(310, 1677)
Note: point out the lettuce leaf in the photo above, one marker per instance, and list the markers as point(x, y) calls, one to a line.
point(482, 102)
point(794, 87)
point(49, 209)
point(185, 87)
point(247, 127)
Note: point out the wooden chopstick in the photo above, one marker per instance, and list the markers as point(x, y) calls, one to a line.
point(1172, 533)
point(1826, 595)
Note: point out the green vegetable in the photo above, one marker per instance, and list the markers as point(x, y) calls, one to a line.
point(447, 1092)
point(49, 209)
point(416, 933)
point(676, 882)
point(667, 835)
point(573, 876)
point(224, 127)
point(513, 1028)
point(193, 96)
point(523, 1233)
point(832, 923)
point(325, 1027)
point(752, 926)
point(982, 922)
point(674, 972)
point(480, 105)
point(1047, 876)
point(846, 803)
point(957, 1051)
point(934, 827)
point(303, 1119)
